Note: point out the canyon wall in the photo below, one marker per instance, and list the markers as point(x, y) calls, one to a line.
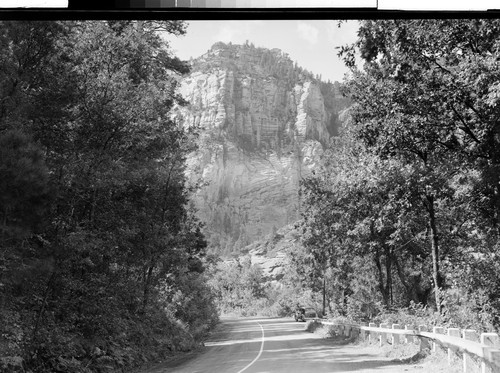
point(264, 123)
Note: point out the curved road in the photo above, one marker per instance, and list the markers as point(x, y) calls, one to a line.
point(278, 346)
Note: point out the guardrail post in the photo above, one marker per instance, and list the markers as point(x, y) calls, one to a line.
point(383, 336)
point(396, 337)
point(493, 340)
point(436, 330)
point(373, 335)
point(424, 342)
point(355, 332)
point(452, 332)
point(408, 338)
point(347, 330)
point(469, 335)
point(494, 358)
point(362, 332)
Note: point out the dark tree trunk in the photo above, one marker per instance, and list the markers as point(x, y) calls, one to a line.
point(497, 204)
point(40, 313)
point(147, 285)
point(412, 283)
point(388, 275)
point(434, 251)
point(324, 294)
point(382, 285)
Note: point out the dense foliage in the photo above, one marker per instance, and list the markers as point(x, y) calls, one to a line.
point(241, 289)
point(408, 200)
point(245, 288)
point(102, 260)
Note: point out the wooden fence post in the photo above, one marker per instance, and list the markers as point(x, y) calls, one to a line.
point(383, 335)
point(494, 356)
point(355, 333)
point(493, 340)
point(409, 338)
point(362, 332)
point(452, 332)
point(424, 342)
point(372, 336)
point(347, 331)
point(396, 337)
point(469, 335)
point(436, 330)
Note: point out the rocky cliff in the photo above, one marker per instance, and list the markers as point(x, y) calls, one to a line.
point(272, 253)
point(264, 123)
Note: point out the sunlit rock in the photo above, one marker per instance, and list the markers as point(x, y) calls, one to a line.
point(265, 122)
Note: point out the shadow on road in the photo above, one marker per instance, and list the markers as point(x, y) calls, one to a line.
point(287, 352)
point(287, 348)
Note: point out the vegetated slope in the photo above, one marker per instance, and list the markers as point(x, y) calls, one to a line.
point(264, 124)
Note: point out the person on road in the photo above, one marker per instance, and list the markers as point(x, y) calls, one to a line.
point(299, 309)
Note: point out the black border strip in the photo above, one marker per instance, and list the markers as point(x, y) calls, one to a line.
point(236, 14)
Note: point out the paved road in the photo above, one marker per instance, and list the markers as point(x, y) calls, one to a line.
point(279, 346)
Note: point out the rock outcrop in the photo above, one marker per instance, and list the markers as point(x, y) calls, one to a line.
point(264, 123)
point(272, 254)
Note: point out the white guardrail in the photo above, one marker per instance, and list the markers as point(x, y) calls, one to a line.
point(484, 347)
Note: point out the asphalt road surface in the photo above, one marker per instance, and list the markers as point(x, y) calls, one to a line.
point(279, 346)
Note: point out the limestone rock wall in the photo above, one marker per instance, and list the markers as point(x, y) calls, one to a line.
point(264, 125)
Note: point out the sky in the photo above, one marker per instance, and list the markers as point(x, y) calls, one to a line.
point(311, 43)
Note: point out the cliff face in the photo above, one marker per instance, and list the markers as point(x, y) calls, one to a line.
point(264, 124)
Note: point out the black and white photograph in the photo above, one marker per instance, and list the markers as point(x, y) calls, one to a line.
point(283, 192)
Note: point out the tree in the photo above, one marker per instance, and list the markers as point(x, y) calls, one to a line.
point(104, 197)
point(444, 90)
point(366, 217)
point(343, 215)
point(429, 101)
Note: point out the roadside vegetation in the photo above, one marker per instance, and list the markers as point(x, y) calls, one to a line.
point(404, 212)
point(101, 257)
point(241, 290)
